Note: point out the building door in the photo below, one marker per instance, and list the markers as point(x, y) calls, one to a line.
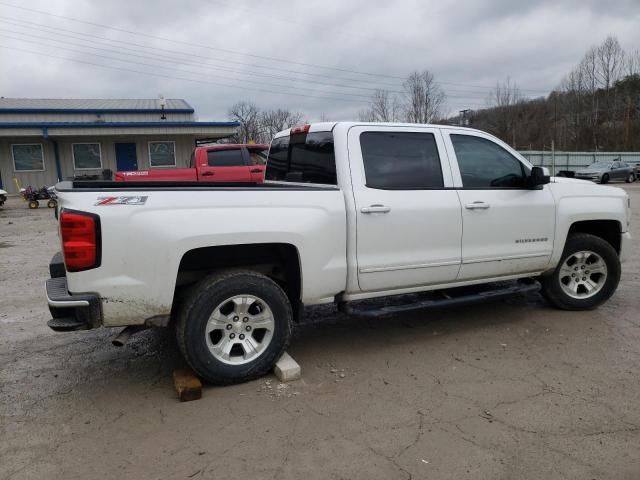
point(126, 158)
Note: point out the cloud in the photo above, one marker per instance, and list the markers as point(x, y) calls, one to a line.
point(279, 46)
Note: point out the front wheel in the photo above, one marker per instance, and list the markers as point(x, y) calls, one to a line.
point(587, 275)
point(605, 178)
point(234, 326)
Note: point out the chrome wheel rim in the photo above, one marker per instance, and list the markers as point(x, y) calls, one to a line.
point(583, 274)
point(240, 329)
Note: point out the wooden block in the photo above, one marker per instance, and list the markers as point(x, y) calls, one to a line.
point(287, 369)
point(188, 385)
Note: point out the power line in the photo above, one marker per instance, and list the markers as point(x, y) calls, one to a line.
point(196, 72)
point(238, 53)
point(359, 97)
point(233, 52)
point(155, 56)
point(158, 57)
point(153, 74)
point(55, 31)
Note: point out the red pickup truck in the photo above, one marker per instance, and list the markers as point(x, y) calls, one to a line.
point(210, 163)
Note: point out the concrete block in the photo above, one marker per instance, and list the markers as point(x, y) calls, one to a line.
point(188, 385)
point(287, 369)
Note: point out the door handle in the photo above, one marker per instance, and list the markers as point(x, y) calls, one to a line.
point(376, 209)
point(255, 170)
point(207, 174)
point(477, 205)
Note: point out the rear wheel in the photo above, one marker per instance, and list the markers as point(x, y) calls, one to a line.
point(605, 178)
point(234, 326)
point(33, 204)
point(631, 178)
point(586, 276)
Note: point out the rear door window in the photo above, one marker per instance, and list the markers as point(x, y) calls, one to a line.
point(401, 160)
point(225, 158)
point(303, 158)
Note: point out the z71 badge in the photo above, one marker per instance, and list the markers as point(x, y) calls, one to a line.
point(125, 200)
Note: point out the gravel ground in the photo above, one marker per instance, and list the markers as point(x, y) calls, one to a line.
point(506, 390)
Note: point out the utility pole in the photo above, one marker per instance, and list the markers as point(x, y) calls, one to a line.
point(463, 122)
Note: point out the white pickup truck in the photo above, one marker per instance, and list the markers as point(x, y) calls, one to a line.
point(349, 211)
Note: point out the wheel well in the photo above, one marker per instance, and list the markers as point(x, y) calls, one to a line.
point(278, 261)
point(608, 230)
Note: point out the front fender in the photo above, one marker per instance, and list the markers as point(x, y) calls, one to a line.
point(571, 209)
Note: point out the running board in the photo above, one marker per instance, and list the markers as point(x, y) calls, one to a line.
point(448, 299)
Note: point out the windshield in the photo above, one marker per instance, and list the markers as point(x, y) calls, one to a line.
point(599, 165)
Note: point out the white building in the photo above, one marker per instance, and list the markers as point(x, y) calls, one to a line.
point(43, 141)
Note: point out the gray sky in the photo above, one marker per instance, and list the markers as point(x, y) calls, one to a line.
point(272, 52)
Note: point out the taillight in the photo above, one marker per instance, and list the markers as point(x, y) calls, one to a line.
point(80, 233)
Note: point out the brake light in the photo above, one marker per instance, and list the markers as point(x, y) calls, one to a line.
point(80, 233)
point(300, 129)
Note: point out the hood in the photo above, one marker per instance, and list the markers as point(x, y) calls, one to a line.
point(591, 171)
point(3, 192)
point(569, 180)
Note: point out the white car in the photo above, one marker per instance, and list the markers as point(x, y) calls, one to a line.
point(349, 211)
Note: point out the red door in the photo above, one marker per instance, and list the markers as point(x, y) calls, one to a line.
point(227, 165)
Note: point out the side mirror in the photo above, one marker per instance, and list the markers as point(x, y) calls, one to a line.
point(539, 176)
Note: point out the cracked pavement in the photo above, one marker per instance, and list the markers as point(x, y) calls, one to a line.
point(511, 389)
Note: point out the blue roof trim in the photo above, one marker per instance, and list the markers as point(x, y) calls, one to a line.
point(116, 124)
point(96, 110)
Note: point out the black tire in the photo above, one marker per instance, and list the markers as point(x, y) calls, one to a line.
point(200, 303)
point(52, 204)
point(33, 204)
point(631, 178)
point(552, 290)
point(605, 178)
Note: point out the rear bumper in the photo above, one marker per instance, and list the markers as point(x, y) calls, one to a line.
point(625, 247)
point(69, 311)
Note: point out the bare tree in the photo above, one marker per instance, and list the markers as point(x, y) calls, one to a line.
point(274, 121)
point(505, 94)
point(248, 115)
point(574, 89)
point(385, 107)
point(366, 115)
point(505, 99)
point(589, 72)
point(423, 98)
point(609, 62)
point(632, 63)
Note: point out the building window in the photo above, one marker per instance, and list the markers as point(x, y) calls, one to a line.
point(86, 156)
point(27, 157)
point(162, 154)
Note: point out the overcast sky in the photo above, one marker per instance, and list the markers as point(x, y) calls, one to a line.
point(274, 53)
